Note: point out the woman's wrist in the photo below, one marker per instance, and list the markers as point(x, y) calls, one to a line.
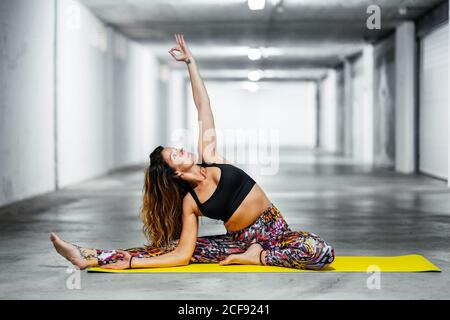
point(189, 60)
point(130, 266)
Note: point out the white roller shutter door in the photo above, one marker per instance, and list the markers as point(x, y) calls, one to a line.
point(433, 103)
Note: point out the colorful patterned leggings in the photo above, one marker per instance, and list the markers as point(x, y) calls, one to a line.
point(284, 247)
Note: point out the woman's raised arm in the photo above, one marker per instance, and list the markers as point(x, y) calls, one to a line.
point(207, 130)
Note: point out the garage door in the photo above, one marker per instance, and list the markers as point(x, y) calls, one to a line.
point(433, 103)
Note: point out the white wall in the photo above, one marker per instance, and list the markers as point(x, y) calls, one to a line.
point(26, 99)
point(100, 127)
point(288, 108)
point(135, 109)
point(82, 46)
point(434, 102)
point(105, 114)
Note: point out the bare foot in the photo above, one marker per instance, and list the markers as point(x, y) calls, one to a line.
point(69, 251)
point(251, 256)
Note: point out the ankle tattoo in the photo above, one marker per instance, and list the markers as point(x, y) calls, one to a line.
point(87, 254)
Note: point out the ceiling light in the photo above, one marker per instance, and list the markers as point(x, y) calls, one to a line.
point(402, 10)
point(256, 4)
point(254, 54)
point(255, 75)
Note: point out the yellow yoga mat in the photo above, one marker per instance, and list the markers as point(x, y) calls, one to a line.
point(406, 263)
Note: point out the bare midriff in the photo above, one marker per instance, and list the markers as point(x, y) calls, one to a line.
point(249, 210)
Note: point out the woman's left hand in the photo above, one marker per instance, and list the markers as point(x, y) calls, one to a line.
point(120, 264)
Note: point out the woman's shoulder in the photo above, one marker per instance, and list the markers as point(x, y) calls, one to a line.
point(190, 204)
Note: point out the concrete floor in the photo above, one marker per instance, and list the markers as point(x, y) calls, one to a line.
point(358, 210)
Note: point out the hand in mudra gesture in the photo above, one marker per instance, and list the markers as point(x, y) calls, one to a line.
point(184, 52)
point(119, 264)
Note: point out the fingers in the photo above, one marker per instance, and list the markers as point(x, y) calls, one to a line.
point(182, 43)
point(171, 51)
point(181, 47)
point(178, 58)
point(175, 49)
point(124, 253)
point(180, 39)
point(174, 56)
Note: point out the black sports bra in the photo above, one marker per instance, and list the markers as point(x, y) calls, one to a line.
point(233, 187)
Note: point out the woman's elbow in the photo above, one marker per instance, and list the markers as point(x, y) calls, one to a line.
point(185, 261)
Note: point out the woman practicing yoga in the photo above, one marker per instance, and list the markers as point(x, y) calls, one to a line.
point(178, 189)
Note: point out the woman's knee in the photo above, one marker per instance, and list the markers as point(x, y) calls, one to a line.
point(315, 254)
point(324, 257)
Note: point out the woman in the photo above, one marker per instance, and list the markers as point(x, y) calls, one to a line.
point(177, 190)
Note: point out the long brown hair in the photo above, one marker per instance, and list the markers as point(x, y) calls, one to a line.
point(162, 201)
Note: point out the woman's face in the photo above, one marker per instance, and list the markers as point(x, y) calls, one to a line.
point(178, 159)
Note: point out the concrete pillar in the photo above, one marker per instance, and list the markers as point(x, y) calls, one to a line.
point(405, 98)
point(109, 109)
point(176, 130)
point(162, 103)
point(368, 105)
point(340, 85)
point(328, 109)
point(318, 113)
point(448, 114)
point(348, 108)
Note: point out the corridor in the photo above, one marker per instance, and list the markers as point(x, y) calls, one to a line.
point(362, 211)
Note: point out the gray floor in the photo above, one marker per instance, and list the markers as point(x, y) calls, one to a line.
point(358, 210)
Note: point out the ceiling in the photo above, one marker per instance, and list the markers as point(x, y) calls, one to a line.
point(296, 34)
